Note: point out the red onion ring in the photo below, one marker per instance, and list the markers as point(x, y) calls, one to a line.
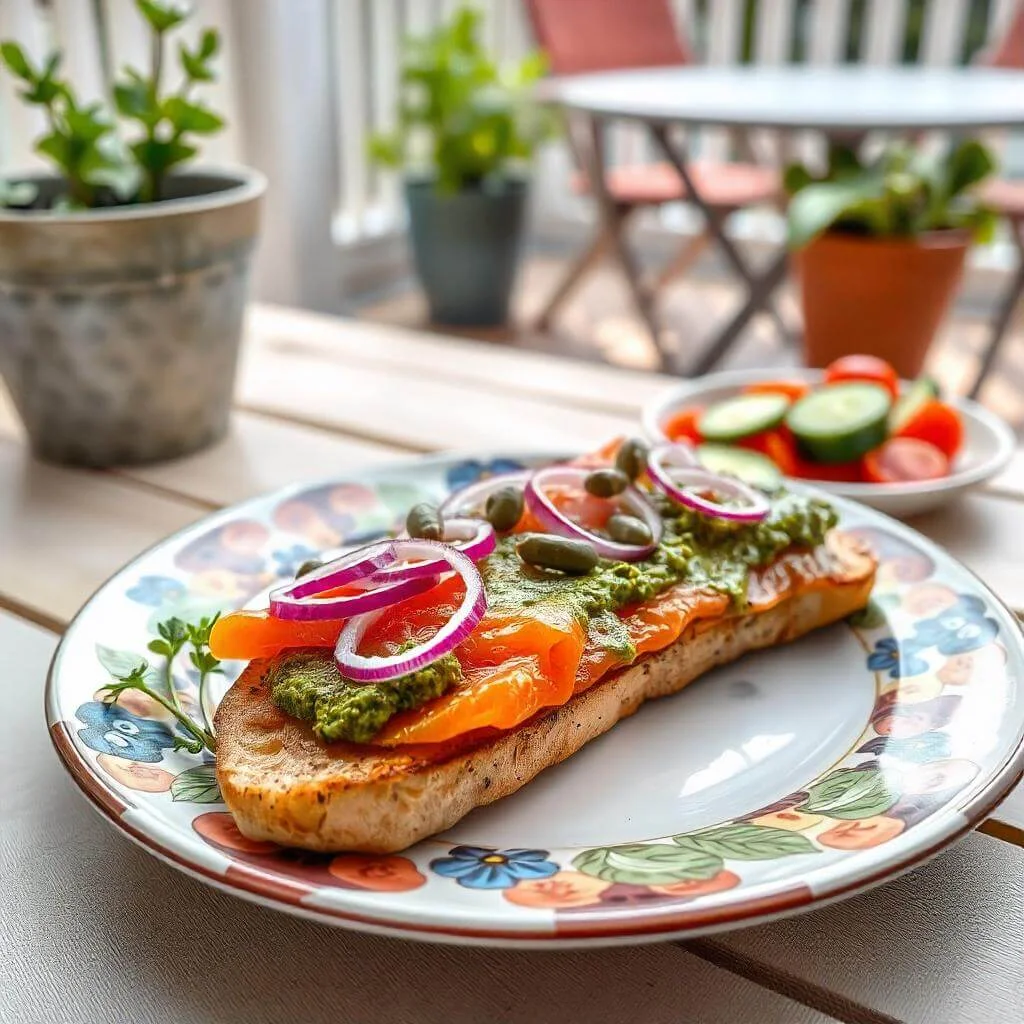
point(374, 669)
point(398, 585)
point(348, 568)
point(553, 519)
point(474, 496)
point(475, 538)
point(671, 473)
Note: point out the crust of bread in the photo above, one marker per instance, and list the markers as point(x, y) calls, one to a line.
point(283, 784)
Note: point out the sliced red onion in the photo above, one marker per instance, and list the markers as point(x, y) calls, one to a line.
point(397, 585)
point(473, 498)
point(374, 669)
point(475, 538)
point(553, 519)
point(671, 472)
point(348, 568)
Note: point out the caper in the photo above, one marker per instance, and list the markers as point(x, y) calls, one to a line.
point(606, 483)
point(631, 458)
point(575, 557)
point(307, 567)
point(424, 522)
point(504, 508)
point(628, 530)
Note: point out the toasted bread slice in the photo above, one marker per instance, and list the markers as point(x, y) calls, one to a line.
point(282, 783)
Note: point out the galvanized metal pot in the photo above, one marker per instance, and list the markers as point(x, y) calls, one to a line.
point(466, 249)
point(120, 327)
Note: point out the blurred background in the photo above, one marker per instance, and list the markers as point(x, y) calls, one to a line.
point(304, 85)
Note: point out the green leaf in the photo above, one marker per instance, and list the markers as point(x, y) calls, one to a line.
point(162, 16)
point(209, 43)
point(133, 99)
point(194, 65)
point(57, 147)
point(817, 207)
point(120, 664)
point(17, 63)
point(191, 117)
point(89, 123)
point(197, 785)
point(743, 841)
point(159, 156)
point(795, 178)
point(160, 647)
point(656, 864)
point(852, 793)
point(969, 163)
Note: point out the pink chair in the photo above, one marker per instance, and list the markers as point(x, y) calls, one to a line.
point(604, 35)
point(1006, 197)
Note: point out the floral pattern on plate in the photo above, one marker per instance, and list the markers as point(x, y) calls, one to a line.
point(931, 638)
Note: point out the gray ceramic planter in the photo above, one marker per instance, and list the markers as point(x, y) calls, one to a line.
point(119, 328)
point(466, 249)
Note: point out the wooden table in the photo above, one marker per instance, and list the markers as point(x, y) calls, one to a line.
point(842, 103)
point(92, 927)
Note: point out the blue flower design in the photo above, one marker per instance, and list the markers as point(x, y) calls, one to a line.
point(961, 628)
point(112, 730)
point(477, 867)
point(462, 474)
point(898, 661)
point(156, 590)
point(290, 559)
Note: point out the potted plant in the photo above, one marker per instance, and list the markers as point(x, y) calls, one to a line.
point(880, 247)
point(466, 131)
point(122, 278)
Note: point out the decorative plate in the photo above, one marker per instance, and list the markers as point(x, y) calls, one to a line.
point(989, 443)
point(790, 778)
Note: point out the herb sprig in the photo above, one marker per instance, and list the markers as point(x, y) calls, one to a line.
point(173, 635)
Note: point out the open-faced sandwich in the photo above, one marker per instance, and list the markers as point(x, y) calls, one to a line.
point(394, 689)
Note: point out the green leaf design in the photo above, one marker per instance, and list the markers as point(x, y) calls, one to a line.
point(197, 785)
point(743, 841)
point(641, 864)
point(852, 793)
point(120, 664)
point(871, 616)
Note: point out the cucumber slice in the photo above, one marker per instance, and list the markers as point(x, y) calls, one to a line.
point(921, 391)
point(750, 467)
point(739, 417)
point(841, 422)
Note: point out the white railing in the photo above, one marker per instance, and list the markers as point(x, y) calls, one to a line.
point(305, 82)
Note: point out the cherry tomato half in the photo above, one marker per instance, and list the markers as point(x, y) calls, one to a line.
point(938, 424)
point(683, 426)
point(869, 368)
point(831, 472)
point(792, 389)
point(778, 445)
point(905, 459)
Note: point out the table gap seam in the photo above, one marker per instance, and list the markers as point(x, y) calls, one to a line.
point(834, 1005)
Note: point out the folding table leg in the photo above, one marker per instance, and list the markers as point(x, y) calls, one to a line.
point(760, 287)
point(595, 252)
point(1004, 316)
point(613, 217)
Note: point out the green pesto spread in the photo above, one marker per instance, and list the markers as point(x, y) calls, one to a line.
point(307, 684)
point(695, 549)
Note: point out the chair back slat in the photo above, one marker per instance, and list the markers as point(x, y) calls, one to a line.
point(605, 35)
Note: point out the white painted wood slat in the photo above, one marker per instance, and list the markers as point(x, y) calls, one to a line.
point(943, 39)
point(827, 32)
point(883, 37)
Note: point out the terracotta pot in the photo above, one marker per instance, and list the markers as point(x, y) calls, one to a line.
point(880, 296)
